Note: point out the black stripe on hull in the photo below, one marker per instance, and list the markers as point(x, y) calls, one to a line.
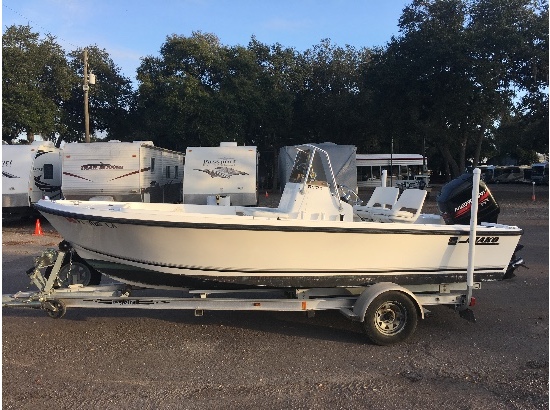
point(146, 277)
point(276, 227)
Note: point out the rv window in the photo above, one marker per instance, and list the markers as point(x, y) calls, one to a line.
point(167, 171)
point(176, 170)
point(152, 164)
point(48, 171)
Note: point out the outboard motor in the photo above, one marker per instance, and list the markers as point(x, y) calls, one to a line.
point(455, 202)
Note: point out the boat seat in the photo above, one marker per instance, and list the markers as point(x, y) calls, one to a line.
point(289, 204)
point(266, 212)
point(406, 209)
point(381, 198)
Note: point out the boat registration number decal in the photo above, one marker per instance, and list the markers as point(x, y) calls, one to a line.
point(480, 240)
point(93, 223)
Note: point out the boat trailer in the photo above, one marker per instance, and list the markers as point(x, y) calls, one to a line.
point(388, 312)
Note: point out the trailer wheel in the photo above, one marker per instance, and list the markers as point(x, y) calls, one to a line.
point(77, 272)
point(55, 309)
point(390, 318)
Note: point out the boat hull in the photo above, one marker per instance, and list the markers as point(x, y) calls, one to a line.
point(155, 248)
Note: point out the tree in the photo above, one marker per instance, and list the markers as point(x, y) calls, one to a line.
point(36, 81)
point(330, 106)
point(177, 92)
point(454, 72)
point(276, 83)
point(511, 39)
point(110, 98)
point(200, 92)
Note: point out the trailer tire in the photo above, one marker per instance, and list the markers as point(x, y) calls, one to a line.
point(87, 275)
point(55, 309)
point(390, 318)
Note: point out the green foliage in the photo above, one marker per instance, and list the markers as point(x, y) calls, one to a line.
point(42, 89)
point(35, 82)
point(456, 70)
point(466, 79)
point(109, 98)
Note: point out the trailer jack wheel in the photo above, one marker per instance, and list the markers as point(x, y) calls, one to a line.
point(54, 308)
point(390, 318)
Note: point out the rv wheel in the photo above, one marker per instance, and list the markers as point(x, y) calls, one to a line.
point(390, 318)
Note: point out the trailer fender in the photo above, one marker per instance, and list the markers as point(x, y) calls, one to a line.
point(369, 294)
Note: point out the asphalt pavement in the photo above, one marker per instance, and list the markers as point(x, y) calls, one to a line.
point(122, 359)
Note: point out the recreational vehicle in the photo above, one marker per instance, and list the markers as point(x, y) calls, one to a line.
point(29, 173)
point(403, 170)
point(122, 171)
point(224, 175)
point(513, 174)
point(539, 173)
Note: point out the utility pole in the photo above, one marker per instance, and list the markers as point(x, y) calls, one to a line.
point(86, 87)
point(391, 162)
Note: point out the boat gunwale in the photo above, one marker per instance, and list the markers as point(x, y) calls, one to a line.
point(499, 230)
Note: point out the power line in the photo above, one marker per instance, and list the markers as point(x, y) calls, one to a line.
point(38, 25)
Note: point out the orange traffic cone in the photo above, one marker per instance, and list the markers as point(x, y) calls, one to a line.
point(266, 195)
point(38, 228)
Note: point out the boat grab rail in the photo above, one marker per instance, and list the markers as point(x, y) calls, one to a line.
point(332, 183)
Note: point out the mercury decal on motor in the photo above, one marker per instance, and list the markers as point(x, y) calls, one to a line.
point(480, 240)
point(465, 207)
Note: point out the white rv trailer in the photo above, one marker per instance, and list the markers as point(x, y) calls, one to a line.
point(225, 175)
point(122, 171)
point(29, 172)
point(403, 170)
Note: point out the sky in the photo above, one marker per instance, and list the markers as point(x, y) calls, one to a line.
point(129, 30)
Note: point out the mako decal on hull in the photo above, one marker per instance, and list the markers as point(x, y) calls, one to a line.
point(480, 240)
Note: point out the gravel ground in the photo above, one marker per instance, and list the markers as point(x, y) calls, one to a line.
point(118, 359)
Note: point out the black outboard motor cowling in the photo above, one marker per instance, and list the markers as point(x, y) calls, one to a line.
point(455, 202)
